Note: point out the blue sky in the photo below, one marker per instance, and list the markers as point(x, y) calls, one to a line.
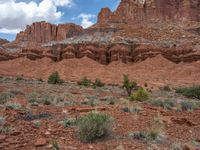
point(16, 14)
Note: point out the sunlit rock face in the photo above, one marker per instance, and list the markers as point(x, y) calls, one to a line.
point(138, 10)
point(43, 32)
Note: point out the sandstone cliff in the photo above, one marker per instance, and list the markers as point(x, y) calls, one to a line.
point(130, 11)
point(43, 32)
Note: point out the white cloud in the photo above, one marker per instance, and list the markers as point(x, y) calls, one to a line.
point(9, 31)
point(63, 2)
point(14, 16)
point(86, 22)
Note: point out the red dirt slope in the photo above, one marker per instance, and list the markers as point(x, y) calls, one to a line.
point(156, 71)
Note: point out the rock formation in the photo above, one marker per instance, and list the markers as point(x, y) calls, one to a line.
point(137, 30)
point(142, 10)
point(43, 32)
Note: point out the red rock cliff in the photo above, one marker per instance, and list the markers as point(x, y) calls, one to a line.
point(140, 10)
point(43, 32)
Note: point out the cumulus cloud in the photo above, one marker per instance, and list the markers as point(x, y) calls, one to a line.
point(14, 16)
point(86, 20)
point(63, 2)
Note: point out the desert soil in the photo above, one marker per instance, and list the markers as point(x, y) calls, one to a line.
point(179, 127)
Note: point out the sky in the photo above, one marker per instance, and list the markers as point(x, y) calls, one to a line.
point(16, 14)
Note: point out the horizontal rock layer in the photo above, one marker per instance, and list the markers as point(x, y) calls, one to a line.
point(107, 53)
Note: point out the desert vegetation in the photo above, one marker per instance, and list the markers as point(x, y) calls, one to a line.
point(93, 113)
point(54, 78)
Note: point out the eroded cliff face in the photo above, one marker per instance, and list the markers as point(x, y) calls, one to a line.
point(130, 11)
point(43, 32)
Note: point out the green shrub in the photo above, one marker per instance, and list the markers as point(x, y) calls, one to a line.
point(55, 145)
point(112, 102)
point(158, 103)
point(176, 146)
point(136, 108)
point(14, 106)
point(19, 78)
point(139, 135)
point(140, 95)
point(16, 92)
point(191, 92)
point(188, 105)
point(125, 109)
point(69, 122)
point(91, 102)
point(166, 88)
point(98, 83)
point(32, 98)
point(4, 97)
point(84, 82)
point(166, 104)
point(47, 100)
point(2, 121)
point(37, 123)
point(54, 78)
point(93, 126)
point(6, 129)
point(128, 85)
point(132, 108)
point(150, 135)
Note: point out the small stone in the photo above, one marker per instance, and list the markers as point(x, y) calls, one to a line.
point(40, 142)
point(70, 148)
point(120, 147)
point(47, 133)
point(49, 146)
point(91, 147)
point(35, 104)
